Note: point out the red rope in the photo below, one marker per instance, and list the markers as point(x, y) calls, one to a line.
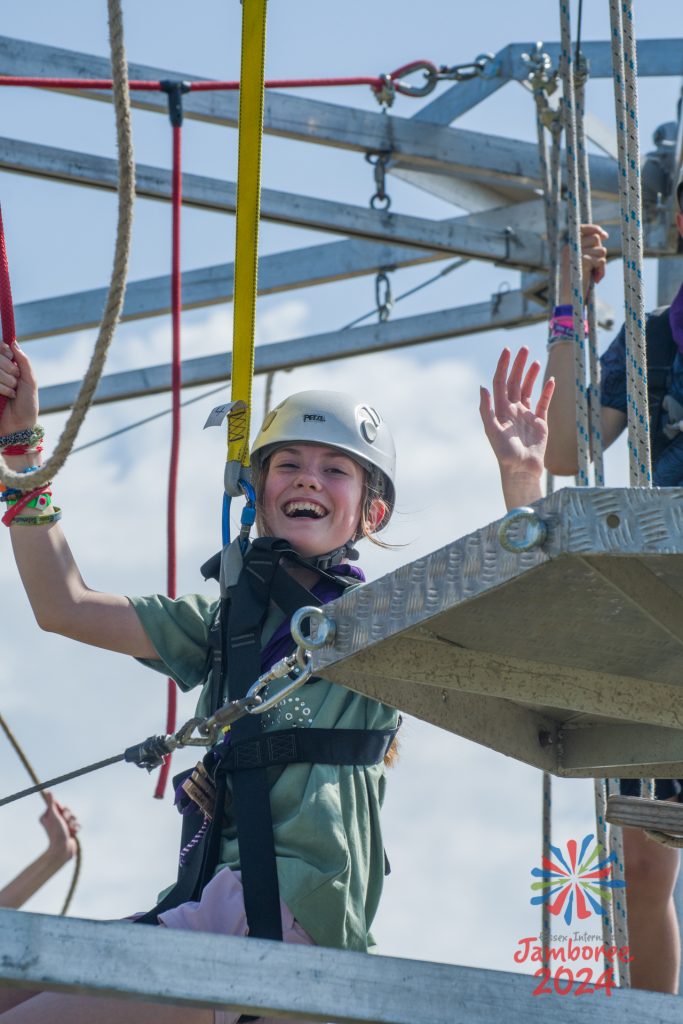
point(176, 307)
point(9, 335)
point(375, 82)
point(144, 86)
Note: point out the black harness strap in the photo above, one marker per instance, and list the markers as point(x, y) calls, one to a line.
point(250, 790)
point(308, 746)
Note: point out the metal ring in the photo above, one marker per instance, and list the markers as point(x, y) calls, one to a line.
point(325, 628)
point(377, 199)
point(534, 536)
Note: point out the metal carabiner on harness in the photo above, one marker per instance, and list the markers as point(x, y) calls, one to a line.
point(297, 665)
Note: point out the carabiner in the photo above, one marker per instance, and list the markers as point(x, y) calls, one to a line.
point(406, 89)
point(300, 664)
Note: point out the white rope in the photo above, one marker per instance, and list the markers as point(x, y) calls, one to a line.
point(618, 901)
point(602, 836)
point(586, 210)
point(573, 208)
point(625, 74)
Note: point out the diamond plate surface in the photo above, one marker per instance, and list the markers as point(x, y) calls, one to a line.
point(554, 603)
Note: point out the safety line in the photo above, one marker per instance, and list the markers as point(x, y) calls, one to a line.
point(16, 746)
point(248, 206)
point(176, 384)
point(586, 217)
point(376, 82)
point(569, 114)
point(625, 75)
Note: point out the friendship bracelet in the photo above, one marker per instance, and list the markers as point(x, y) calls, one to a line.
point(20, 505)
point(41, 501)
point(30, 436)
point(54, 517)
point(8, 493)
point(20, 449)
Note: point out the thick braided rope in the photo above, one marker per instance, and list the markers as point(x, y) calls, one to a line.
point(625, 74)
point(36, 782)
point(112, 311)
point(618, 901)
point(586, 209)
point(567, 76)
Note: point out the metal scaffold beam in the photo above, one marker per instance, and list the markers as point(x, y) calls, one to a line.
point(173, 967)
point(456, 235)
point(506, 309)
point(206, 286)
point(490, 158)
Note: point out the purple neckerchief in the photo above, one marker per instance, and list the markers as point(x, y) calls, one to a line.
point(280, 643)
point(676, 319)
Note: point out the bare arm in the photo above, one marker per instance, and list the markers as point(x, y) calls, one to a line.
point(60, 599)
point(61, 827)
point(561, 453)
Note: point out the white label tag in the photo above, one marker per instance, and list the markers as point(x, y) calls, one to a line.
point(217, 415)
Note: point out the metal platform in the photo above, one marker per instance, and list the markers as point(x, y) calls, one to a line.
point(568, 657)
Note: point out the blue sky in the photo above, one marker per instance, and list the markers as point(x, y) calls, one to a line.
point(463, 824)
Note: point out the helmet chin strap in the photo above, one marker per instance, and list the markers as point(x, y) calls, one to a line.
point(333, 558)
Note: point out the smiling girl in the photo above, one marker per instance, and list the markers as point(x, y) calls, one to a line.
point(324, 466)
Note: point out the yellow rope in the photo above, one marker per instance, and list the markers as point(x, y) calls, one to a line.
point(36, 782)
point(247, 228)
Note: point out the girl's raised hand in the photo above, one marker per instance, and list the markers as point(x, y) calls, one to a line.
point(517, 432)
point(18, 386)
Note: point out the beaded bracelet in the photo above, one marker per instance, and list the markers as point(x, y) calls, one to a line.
point(30, 436)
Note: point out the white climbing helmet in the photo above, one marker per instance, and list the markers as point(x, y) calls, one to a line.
point(338, 420)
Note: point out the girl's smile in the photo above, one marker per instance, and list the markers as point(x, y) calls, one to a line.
point(312, 497)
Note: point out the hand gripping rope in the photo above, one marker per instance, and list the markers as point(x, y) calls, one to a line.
point(295, 670)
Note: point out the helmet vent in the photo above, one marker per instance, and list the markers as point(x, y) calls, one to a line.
point(369, 431)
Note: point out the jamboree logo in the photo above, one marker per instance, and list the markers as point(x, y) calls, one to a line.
point(576, 884)
point(578, 881)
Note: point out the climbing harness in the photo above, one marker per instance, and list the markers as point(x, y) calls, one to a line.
point(247, 752)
